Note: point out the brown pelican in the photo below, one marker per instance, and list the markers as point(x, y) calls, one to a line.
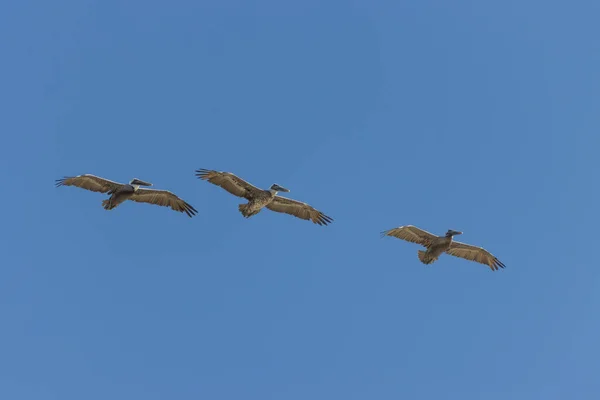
point(120, 192)
point(436, 245)
point(258, 198)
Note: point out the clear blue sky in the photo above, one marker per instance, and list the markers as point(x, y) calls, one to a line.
point(476, 116)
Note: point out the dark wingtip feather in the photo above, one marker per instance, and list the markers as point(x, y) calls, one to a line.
point(190, 211)
point(323, 219)
point(60, 182)
point(496, 264)
point(202, 173)
point(384, 233)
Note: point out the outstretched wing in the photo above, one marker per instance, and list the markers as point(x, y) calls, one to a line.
point(89, 182)
point(411, 234)
point(228, 181)
point(299, 210)
point(474, 253)
point(163, 198)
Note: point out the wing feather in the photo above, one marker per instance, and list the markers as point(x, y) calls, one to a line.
point(89, 182)
point(299, 210)
point(163, 198)
point(474, 253)
point(411, 234)
point(228, 181)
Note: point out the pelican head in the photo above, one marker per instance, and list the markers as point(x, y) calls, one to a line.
point(451, 233)
point(276, 188)
point(136, 183)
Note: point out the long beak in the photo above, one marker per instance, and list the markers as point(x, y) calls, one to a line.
point(456, 233)
point(141, 183)
point(284, 190)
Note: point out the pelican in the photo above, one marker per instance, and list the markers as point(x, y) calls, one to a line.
point(436, 245)
point(120, 192)
point(258, 198)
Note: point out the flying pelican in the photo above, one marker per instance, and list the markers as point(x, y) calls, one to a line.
point(436, 245)
point(258, 198)
point(120, 192)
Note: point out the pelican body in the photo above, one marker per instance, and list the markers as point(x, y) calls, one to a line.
point(437, 245)
point(120, 192)
point(123, 193)
point(259, 198)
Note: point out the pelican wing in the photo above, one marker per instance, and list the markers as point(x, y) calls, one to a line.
point(163, 198)
point(411, 234)
point(89, 182)
point(228, 181)
point(299, 210)
point(474, 253)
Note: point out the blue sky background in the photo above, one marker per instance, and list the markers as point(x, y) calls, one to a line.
point(476, 116)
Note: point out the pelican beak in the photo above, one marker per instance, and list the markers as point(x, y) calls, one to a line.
point(456, 233)
point(282, 189)
point(140, 182)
